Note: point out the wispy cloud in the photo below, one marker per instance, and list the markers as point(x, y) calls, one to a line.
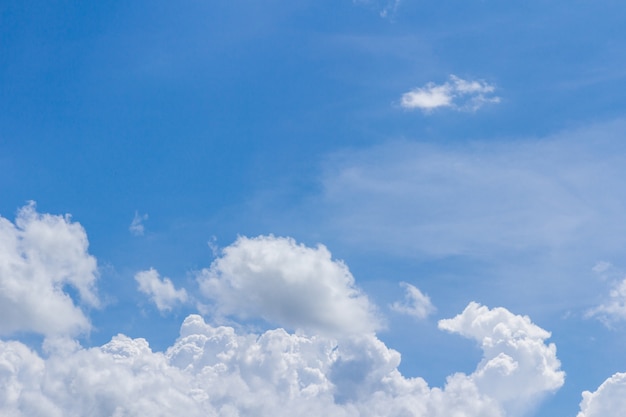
point(457, 93)
point(137, 227)
point(415, 303)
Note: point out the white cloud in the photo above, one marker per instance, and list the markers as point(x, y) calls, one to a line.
point(288, 284)
point(160, 291)
point(457, 93)
point(614, 307)
point(518, 368)
point(609, 400)
point(213, 371)
point(415, 303)
point(40, 255)
point(137, 227)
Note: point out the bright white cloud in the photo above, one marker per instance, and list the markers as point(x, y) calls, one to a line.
point(288, 284)
point(457, 93)
point(518, 368)
point(40, 255)
point(213, 371)
point(160, 291)
point(415, 303)
point(137, 227)
point(609, 400)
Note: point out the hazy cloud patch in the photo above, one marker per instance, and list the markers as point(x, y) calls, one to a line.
point(415, 303)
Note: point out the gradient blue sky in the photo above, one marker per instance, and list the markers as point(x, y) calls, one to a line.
point(209, 120)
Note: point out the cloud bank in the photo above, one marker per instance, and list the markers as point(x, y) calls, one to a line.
point(330, 369)
point(213, 371)
point(457, 93)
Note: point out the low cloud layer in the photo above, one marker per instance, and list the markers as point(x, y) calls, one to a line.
point(457, 93)
point(334, 367)
point(216, 372)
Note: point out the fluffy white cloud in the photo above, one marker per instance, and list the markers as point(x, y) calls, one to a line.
point(213, 371)
point(288, 284)
point(160, 291)
point(415, 303)
point(457, 93)
point(609, 400)
point(40, 255)
point(518, 368)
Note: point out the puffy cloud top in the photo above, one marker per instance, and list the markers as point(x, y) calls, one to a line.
point(517, 368)
point(288, 284)
point(41, 254)
point(609, 400)
point(214, 371)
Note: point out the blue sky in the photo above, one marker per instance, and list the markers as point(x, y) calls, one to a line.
point(442, 153)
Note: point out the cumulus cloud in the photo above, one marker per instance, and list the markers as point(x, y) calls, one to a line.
point(456, 93)
point(160, 291)
point(40, 256)
point(288, 284)
point(609, 400)
point(518, 368)
point(137, 227)
point(214, 371)
point(415, 303)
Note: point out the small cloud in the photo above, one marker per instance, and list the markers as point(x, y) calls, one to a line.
point(613, 309)
point(160, 291)
point(458, 94)
point(136, 226)
point(415, 303)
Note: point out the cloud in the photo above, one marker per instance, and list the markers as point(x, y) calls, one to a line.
point(160, 291)
point(288, 284)
point(483, 198)
point(137, 227)
point(614, 307)
point(609, 400)
point(41, 255)
point(518, 368)
point(458, 94)
point(217, 372)
point(415, 304)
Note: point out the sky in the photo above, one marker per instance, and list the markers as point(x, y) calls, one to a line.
point(401, 208)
